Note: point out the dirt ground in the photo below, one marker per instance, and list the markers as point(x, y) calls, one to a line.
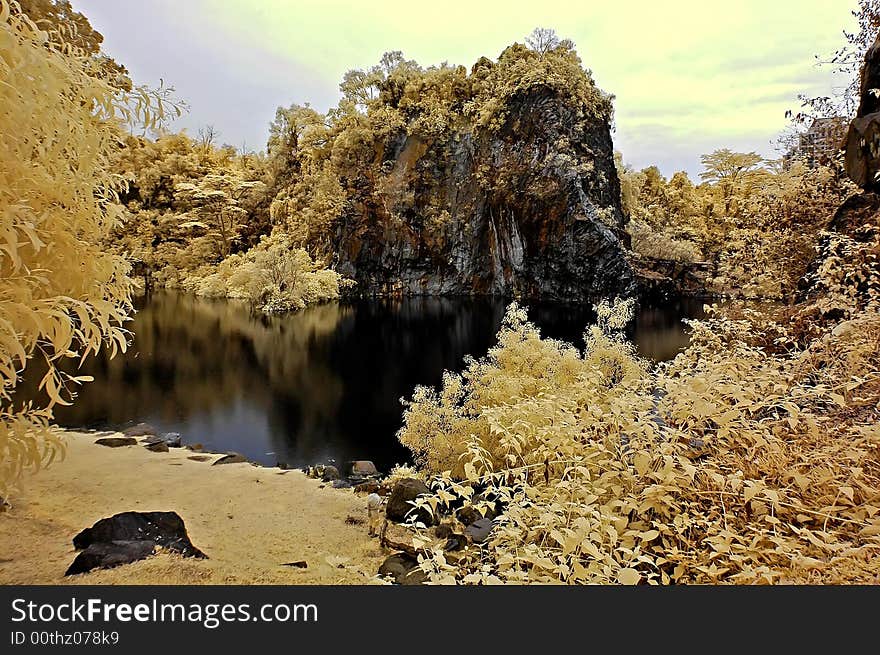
point(248, 520)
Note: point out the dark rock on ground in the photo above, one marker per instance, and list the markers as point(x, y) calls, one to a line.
point(368, 487)
point(361, 467)
point(231, 458)
point(116, 442)
point(442, 531)
point(302, 564)
point(470, 514)
point(200, 458)
point(171, 439)
point(455, 543)
point(105, 555)
point(195, 447)
point(165, 529)
point(399, 505)
point(403, 569)
point(329, 474)
point(157, 447)
point(479, 531)
point(139, 430)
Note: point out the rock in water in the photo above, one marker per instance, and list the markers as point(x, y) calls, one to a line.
point(104, 555)
point(526, 204)
point(399, 505)
point(164, 529)
point(116, 442)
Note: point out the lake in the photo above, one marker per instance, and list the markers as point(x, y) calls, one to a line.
point(314, 386)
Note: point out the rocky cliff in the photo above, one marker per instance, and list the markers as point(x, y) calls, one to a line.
point(863, 139)
point(526, 204)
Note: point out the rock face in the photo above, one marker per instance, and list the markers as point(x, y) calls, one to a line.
point(530, 208)
point(863, 140)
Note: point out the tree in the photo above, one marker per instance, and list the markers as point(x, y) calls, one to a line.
point(73, 28)
point(286, 133)
point(542, 40)
point(730, 170)
point(62, 295)
point(216, 200)
point(207, 137)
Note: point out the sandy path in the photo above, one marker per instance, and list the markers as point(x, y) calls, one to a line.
point(248, 520)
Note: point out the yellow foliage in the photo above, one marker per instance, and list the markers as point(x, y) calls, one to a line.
point(61, 295)
point(275, 275)
point(734, 463)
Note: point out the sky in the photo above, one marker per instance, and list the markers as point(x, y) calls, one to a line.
point(688, 76)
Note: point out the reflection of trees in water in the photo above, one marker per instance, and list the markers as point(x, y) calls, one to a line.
point(324, 382)
point(384, 349)
point(658, 330)
point(191, 355)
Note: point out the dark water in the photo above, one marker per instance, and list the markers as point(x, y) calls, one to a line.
point(313, 386)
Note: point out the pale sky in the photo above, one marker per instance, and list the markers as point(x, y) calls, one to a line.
point(689, 76)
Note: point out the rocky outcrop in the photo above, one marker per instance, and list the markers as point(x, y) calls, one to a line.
point(660, 279)
point(863, 139)
point(529, 208)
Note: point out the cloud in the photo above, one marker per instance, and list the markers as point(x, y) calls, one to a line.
point(699, 73)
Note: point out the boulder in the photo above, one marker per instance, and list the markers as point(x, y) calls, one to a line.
point(479, 531)
point(329, 473)
point(455, 543)
point(362, 467)
point(368, 487)
point(139, 430)
point(116, 442)
point(470, 514)
point(231, 458)
point(171, 439)
point(400, 501)
point(157, 447)
point(164, 529)
point(403, 569)
point(105, 555)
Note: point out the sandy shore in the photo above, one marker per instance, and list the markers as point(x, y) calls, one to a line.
point(248, 520)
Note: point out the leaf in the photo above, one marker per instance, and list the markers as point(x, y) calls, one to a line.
point(629, 576)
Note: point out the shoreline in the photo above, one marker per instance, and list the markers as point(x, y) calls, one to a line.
point(249, 519)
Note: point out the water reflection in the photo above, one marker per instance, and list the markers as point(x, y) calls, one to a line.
point(321, 384)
